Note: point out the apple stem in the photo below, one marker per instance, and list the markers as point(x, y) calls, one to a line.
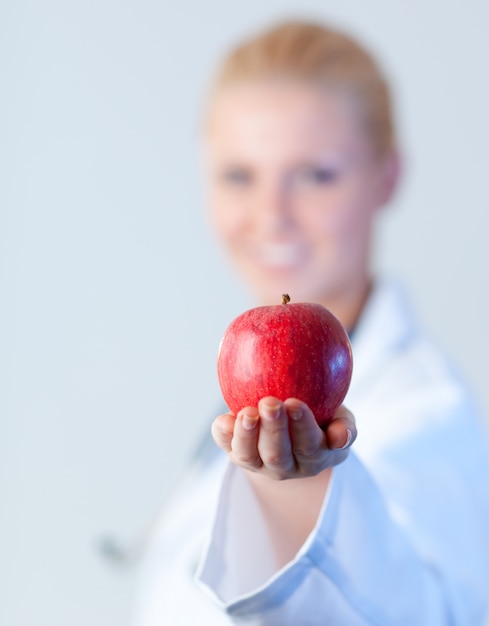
point(285, 298)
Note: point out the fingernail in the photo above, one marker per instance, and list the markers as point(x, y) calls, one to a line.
point(249, 421)
point(349, 437)
point(270, 410)
point(295, 413)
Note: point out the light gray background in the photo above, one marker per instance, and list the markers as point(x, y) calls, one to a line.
point(113, 295)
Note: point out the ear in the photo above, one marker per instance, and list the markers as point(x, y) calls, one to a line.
point(389, 176)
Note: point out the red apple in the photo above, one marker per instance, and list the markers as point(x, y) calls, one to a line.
point(297, 350)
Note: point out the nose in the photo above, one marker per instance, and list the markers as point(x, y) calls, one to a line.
point(273, 208)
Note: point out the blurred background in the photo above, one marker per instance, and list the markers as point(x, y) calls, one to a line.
point(113, 292)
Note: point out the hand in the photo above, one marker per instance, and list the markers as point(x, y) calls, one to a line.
point(282, 440)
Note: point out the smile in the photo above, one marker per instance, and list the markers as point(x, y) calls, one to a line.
point(281, 256)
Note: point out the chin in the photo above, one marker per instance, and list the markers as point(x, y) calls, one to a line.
point(268, 284)
point(272, 294)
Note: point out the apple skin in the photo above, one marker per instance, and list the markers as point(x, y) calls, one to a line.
point(297, 350)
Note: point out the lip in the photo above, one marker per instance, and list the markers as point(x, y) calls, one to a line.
point(280, 256)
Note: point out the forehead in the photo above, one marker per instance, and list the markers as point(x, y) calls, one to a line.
point(284, 118)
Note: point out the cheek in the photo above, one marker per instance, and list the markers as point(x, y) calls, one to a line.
point(227, 217)
point(342, 221)
point(328, 215)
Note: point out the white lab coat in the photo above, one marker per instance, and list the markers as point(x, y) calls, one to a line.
point(403, 535)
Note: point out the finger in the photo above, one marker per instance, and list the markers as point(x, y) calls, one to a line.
point(308, 439)
point(244, 444)
point(341, 432)
point(222, 430)
point(274, 446)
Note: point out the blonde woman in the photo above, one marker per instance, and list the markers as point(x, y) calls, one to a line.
point(287, 525)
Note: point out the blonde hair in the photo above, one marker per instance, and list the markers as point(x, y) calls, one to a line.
point(318, 55)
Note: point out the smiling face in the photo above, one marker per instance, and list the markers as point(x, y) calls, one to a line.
point(293, 191)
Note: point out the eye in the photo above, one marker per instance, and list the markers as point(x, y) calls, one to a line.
point(239, 176)
point(314, 175)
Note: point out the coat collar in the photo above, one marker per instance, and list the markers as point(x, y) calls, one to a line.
point(386, 324)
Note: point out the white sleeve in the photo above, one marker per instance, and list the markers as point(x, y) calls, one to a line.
point(358, 567)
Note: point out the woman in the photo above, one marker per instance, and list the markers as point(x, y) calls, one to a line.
point(301, 156)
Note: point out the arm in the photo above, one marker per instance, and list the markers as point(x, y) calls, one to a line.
point(359, 565)
point(287, 459)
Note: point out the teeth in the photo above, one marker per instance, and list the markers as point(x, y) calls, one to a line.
point(281, 255)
